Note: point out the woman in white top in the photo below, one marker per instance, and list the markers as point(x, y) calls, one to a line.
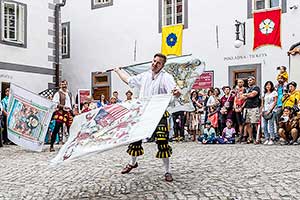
point(268, 104)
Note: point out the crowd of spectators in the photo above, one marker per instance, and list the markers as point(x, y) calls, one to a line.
point(244, 113)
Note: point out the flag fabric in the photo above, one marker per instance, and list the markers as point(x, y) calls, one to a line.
point(112, 126)
point(29, 118)
point(185, 70)
point(172, 40)
point(267, 28)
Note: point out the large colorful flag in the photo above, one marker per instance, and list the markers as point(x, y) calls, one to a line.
point(185, 70)
point(172, 40)
point(28, 119)
point(112, 126)
point(267, 27)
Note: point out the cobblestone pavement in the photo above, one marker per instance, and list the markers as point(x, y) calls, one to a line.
point(199, 172)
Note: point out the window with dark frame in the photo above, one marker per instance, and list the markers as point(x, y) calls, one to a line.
point(260, 5)
point(65, 40)
point(173, 12)
point(101, 3)
point(13, 23)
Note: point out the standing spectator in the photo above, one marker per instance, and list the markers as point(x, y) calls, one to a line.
point(269, 101)
point(195, 117)
point(1, 116)
point(207, 102)
point(238, 106)
point(226, 106)
point(5, 115)
point(281, 90)
point(116, 95)
point(291, 98)
point(63, 114)
point(102, 102)
point(252, 115)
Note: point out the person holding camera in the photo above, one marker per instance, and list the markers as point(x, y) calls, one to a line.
point(269, 101)
point(289, 126)
point(291, 98)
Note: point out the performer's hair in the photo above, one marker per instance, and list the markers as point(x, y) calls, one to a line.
point(161, 56)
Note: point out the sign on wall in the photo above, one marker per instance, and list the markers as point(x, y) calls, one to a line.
point(204, 81)
point(83, 94)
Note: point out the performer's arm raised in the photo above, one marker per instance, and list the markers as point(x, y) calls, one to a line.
point(122, 74)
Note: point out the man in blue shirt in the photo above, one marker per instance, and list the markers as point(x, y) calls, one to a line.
point(4, 103)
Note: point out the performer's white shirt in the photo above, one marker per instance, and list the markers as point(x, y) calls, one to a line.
point(161, 83)
point(68, 99)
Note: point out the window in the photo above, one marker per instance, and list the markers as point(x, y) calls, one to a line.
point(172, 12)
point(65, 40)
point(101, 3)
point(256, 5)
point(13, 23)
point(265, 4)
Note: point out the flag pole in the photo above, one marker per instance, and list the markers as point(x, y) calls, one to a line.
point(143, 63)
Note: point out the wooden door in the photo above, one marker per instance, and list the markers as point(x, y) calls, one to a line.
point(98, 91)
point(243, 74)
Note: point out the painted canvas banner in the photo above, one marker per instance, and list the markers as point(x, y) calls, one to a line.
point(112, 126)
point(267, 28)
point(185, 70)
point(28, 119)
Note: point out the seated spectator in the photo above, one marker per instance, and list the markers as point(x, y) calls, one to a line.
point(91, 101)
point(113, 100)
point(128, 95)
point(228, 134)
point(288, 126)
point(209, 134)
point(85, 107)
point(102, 101)
point(116, 95)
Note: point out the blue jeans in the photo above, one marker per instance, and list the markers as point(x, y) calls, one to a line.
point(269, 130)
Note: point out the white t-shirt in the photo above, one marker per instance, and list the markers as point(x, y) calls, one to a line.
point(161, 83)
point(269, 99)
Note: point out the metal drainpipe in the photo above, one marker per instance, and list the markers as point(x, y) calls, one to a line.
point(57, 40)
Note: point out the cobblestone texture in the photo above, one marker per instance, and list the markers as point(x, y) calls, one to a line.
point(225, 172)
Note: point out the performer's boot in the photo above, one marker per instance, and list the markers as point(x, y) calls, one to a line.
point(128, 168)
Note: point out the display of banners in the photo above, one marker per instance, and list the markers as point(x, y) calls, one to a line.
point(171, 43)
point(112, 126)
point(204, 81)
point(267, 25)
point(29, 118)
point(185, 70)
point(83, 94)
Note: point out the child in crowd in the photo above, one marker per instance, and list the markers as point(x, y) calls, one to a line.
point(85, 107)
point(113, 100)
point(209, 134)
point(228, 134)
point(282, 74)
